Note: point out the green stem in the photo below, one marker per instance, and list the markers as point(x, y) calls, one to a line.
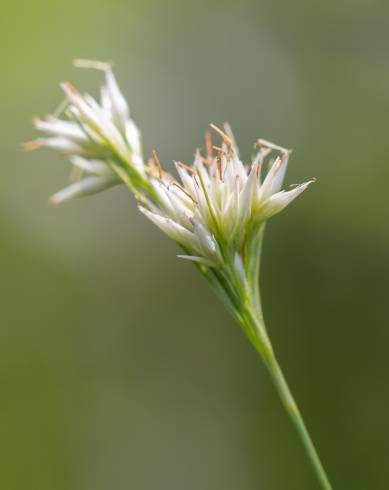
point(263, 346)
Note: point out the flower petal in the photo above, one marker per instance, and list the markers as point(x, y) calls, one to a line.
point(84, 187)
point(96, 167)
point(119, 106)
point(277, 202)
point(197, 259)
point(171, 228)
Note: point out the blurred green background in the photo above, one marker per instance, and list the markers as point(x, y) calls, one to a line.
point(119, 368)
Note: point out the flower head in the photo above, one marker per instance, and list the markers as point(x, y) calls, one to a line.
point(100, 138)
point(219, 202)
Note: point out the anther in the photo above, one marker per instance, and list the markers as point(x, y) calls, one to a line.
point(32, 145)
point(208, 143)
point(227, 140)
point(188, 194)
point(185, 166)
point(158, 163)
point(261, 142)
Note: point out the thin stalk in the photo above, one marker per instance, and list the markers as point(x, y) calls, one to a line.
point(263, 346)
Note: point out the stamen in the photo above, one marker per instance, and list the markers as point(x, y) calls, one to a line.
point(208, 143)
point(219, 149)
point(227, 140)
point(151, 168)
point(188, 194)
point(261, 142)
point(32, 145)
point(185, 166)
point(208, 161)
point(156, 160)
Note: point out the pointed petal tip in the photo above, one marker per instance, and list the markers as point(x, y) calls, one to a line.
point(149, 214)
point(53, 201)
point(69, 88)
point(304, 185)
point(197, 259)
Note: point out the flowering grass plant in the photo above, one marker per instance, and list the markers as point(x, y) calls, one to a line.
point(215, 209)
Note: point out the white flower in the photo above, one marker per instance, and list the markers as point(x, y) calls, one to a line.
point(220, 201)
point(99, 138)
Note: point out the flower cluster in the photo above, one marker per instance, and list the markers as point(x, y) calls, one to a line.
point(219, 200)
point(212, 210)
point(100, 139)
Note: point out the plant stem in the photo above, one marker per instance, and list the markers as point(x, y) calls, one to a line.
point(263, 345)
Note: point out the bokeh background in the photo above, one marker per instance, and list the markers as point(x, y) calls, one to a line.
point(119, 369)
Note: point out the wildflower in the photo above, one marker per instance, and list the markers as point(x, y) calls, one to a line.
point(99, 138)
point(219, 202)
